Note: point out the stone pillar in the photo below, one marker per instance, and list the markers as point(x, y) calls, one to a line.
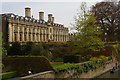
point(23, 33)
point(65, 36)
point(27, 34)
point(35, 36)
point(10, 32)
point(45, 35)
point(56, 35)
point(13, 37)
point(42, 34)
point(18, 34)
point(60, 35)
point(38, 34)
point(31, 34)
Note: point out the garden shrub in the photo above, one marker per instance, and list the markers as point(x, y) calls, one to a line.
point(91, 65)
point(94, 59)
point(117, 51)
point(71, 59)
point(103, 58)
point(56, 59)
point(76, 58)
point(25, 63)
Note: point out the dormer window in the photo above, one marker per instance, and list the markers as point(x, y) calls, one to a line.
point(41, 22)
point(12, 15)
point(37, 20)
point(16, 17)
point(26, 18)
point(34, 20)
point(30, 19)
point(21, 18)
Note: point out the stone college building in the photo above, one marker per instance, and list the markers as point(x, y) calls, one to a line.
point(25, 29)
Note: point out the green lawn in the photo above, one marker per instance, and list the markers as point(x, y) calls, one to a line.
point(56, 64)
point(60, 66)
point(8, 75)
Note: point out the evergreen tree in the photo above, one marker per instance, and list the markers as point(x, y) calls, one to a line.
point(3, 51)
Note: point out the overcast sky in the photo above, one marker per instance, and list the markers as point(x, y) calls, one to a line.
point(63, 12)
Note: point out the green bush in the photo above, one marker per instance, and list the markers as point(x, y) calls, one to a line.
point(22, 64)
point(103, 58)
point(76, 58)
point(71, 59)
point(94, 59)
point(8, 75)
point(91, 65)
point(56, 59)
point(117, 51)
point(66, 66)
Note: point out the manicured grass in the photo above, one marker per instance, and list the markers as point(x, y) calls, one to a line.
point(56, 64)
point(8, 75)
point(60, 66)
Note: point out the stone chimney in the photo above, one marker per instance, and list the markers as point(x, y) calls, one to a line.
point(27, 12)
point(52, 19)
point(49, 17)
point(41, 15)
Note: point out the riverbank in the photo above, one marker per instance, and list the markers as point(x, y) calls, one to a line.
point(73, 73)
point(110, 75)
point(92, 74)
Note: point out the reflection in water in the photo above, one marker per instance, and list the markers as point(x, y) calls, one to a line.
point(110, 75)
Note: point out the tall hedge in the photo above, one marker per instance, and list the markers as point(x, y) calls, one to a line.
point(23, 64)
point(71, 59)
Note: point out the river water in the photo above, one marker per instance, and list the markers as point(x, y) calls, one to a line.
point(110, 75)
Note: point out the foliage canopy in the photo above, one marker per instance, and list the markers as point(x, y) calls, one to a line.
point(87, 35)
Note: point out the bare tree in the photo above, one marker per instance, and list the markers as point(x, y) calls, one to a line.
point(107, 15)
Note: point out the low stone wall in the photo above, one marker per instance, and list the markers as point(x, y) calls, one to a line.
point(90, 74)
point(46, 75)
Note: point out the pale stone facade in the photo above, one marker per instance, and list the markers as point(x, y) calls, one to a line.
point(25, 29)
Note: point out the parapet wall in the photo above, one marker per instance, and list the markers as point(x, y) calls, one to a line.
point(90, 74)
